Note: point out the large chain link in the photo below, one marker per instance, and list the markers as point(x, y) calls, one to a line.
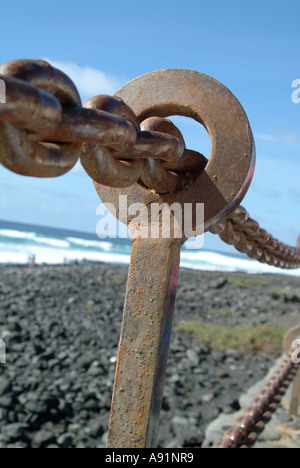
point(22, 148)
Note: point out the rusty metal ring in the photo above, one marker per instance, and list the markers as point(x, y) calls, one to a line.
point(224, 182)
point(99, 162)
point(18, 152)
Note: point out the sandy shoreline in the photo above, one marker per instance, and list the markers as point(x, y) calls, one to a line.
point(61, 326)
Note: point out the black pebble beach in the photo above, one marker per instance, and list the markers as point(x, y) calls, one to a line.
point(61, 327)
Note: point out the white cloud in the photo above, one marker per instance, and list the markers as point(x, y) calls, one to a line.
point(281, 136)
point(78, 169)
point(53, 208)
point(88, 80)
point(288, 137)
point(264, 137)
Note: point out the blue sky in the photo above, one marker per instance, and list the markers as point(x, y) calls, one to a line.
point(252, 47)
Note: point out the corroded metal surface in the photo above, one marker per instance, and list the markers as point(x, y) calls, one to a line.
point(225, 180)
point(144, 343)
point(29, 107)
point(98, 160)
point(245, 431)
point(248, 237)
point(150, 296)
point(42, 75)
point(20, 153)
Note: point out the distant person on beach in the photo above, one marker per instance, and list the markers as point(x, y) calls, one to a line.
point(31, 261)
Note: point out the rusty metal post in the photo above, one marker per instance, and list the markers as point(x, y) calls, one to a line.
point(154, 265)
point(144, 343)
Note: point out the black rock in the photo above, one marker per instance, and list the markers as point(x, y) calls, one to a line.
point(6, 401)
point(42, 439)
point(61, 372)
point(97, 427)
point(65, 440)
point(187, 434)
point(4, 385)
point(15, 431)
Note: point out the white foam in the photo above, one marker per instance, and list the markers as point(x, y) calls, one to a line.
point(53, 242)
point(52, 251)
point(88, 243)
point(34, 237)
point(212, 261)
point(17, 234)
point(46, 255)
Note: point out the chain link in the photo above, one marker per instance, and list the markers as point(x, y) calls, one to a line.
point(19, 151)
point(98, 160)
point(42, 111)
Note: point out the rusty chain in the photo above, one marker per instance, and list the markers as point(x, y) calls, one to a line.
point(44, 131)
point(245, 431)
point(36, 137)
point(248, 237)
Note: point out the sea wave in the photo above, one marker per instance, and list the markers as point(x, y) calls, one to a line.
point(50, 256)
point(12, 234)
point(90, 244)
point(33, 237)
point(16, 247)
point(213, 261)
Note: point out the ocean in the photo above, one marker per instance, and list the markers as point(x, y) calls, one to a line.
point(50, 246)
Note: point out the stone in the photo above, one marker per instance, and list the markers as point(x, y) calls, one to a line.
point(232, 353)
point(43, 438)
point(4, 385)
point(97, 427)
point(187, 434)
point(295, 424)
point(270, 434)
point(14, 432)
point(208, 397)
point(192, 357)
point(65, 440)
point(6, 401)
